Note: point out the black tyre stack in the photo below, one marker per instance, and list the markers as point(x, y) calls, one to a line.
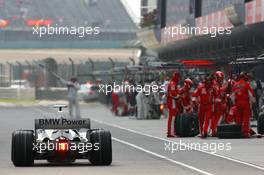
point(261, 124)
point(186, 125)
point(229, 131)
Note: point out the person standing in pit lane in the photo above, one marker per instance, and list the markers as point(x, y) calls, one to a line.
point(73, 87)
point(219, 102)
point(172, 97)
point(258, 93)
point(204, 95)
point(154, 102)
point(164, 86)
point(115, 101)
point(185, 96)
point(132, 98)
point(243, 96)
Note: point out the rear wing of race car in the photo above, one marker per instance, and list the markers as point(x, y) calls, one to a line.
point(62, 123)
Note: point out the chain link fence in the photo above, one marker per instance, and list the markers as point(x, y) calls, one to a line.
point(29, 75)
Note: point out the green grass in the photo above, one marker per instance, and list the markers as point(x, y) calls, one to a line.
point(18, 101)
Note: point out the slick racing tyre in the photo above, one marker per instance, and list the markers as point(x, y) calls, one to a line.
point(177, 128)
point(103, 154)
point(186, 125)
point(229, 131)
point(22, 148)
point(194, 125)
point(261, 124)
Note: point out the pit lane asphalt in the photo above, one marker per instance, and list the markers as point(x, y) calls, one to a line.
point(132, 153)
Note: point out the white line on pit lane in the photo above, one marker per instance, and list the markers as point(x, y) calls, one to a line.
point(150, 152)
point(193, 148)
point(162, 157)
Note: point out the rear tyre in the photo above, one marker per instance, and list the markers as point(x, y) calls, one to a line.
point(22, 148)
point(261, 124)
point(102, 154)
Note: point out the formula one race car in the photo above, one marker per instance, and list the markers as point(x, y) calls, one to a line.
point(61, 140)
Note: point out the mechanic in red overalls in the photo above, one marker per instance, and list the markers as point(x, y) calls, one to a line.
point(115, 101)
point(231, 109)
point(185, 96)
point(243, 95)
point(219, 101)
point(173, 95)
point(204, 94)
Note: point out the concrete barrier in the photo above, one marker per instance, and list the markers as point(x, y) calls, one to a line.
point(51, 94)
point(19, 93)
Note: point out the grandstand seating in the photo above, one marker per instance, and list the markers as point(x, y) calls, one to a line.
point(17, 17)
point(210, 6)
point(110, 15)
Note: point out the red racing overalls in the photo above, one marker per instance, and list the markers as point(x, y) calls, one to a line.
point(219, 105)
point(243, 94)
point(185, 99)
point(172, 106)
point(205, 99)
